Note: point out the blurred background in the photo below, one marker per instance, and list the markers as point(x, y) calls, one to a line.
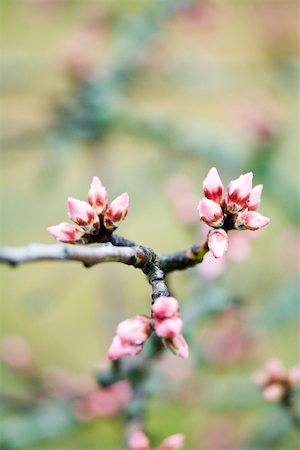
point(148, 95)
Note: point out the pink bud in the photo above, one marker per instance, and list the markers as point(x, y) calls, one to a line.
point(210, 212)
point(294, 375)
point(238, 193)
point(116, 212)
point(254, 199)
point(273, 392)
point(212, 186)
point(165, 307)
point(65, 232)
point(119, 348)
point(178, 346)
point(250, 220)
point(174, 442)
point(275, 369)
point(15, 351)
point(135, 330)
point(83, 214)
point(260, 378)
point(218, 242)
point(167, 328)
point(97, 196)
point(138, 441)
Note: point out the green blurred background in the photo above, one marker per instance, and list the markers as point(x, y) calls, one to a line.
point(170, 89)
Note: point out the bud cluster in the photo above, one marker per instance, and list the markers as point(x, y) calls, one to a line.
point(276, 381)
point(132, 334)
point(139, 441)
point(91, 217)
point(238, 210)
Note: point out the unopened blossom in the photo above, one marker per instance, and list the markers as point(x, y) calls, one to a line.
point(251, 220)
point(130, 337)
point(167, 328)
point(275, 380)
point(218, 242)
point(210, 212)
point(138, 441)
point(165, 307)
point(97, 196)
point(66, 232)
point(116, 211)
point(212, 186)
point(15, 352)
point(236, 211)
point(254, 198)
point(238, 193)
point(82, 214)
point(178, 346)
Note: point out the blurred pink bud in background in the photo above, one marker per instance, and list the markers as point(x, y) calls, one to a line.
point(180, 194)
point(294, 375)
point(138, 441)
point(66, 232)
point(218, 242)
point(82, 214)
point(165, 307)
point(238, 192)
point(116, 212)
point(273, 392)
point(210, 212)
point(174, 442)
point(15, 352)
point(212, 186)
point(97, 196)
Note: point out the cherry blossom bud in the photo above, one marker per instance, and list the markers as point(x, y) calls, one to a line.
point(119, 348)
point(135, 330)
point(116, 212)
point(273, 392)
point(165, 307)
point(275, 369)
point(138, 441)
point(168, 328)
point(294, 375)
point(97, 196)
point(210, 212)
point(250, 220)
point(218, 242)
point(212, 186)
point(66, 232)
point(174, 442)
point(238, 193)
point(254, 199)
point(178, 346)
point(83, 214)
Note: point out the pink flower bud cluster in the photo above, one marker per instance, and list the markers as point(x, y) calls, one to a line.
point(238, 210)
point(132, 334)
point(275, 380)
point(139, 441)
point(89, 217)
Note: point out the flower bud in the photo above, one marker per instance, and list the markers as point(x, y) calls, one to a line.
point(116, 212)
point(165, 307)
point(210, 212)
point(119, 348)
point(238, 193)
point(135, 330)
point(174, 442)
point(97, 196)
point(138, 441)
point(275, 369)
point(250, 220)
point(273, 392)
point(254, 199)
point(212, 186)
point(218, 242)
point(65, 232)
point(178, 346)
point(294, 375)
point(83, 214)
point(167, 328)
